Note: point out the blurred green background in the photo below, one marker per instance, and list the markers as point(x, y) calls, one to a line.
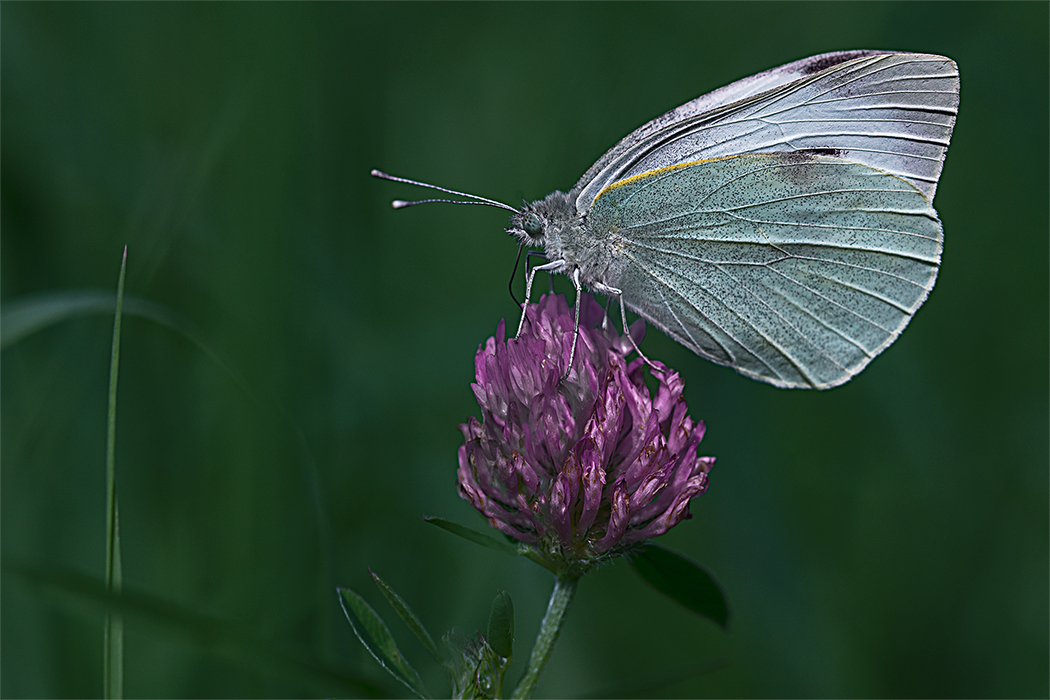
point(888, 538)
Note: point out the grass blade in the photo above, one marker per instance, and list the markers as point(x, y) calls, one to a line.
point(113, 632)
point(376, 638)
point(405, 613)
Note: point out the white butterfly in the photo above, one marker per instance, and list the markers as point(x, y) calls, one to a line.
point(781, 225)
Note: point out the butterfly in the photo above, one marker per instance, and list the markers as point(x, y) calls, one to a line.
point(782, 225)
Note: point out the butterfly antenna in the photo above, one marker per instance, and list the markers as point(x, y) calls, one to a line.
point(401, 204)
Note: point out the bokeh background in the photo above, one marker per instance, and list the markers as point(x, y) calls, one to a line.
point(888, 538)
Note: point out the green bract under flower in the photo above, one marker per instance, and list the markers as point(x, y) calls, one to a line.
point(579, 468)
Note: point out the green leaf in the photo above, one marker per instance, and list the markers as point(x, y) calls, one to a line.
point(406, 614)
point(501, 625)
point(376, 637)
point(682, 580)
point(113, 627)
point(500, 545)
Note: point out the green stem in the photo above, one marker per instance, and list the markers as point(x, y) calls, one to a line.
point(561, 596)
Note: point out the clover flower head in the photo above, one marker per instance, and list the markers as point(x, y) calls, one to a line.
point(578, 467)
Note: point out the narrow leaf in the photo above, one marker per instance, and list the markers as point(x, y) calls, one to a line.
point(501, 625)
point(113, 630)
point(682, 580)
point(376, 638)
point(406, 614)
point(500, 545)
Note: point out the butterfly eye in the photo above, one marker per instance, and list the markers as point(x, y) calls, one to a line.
point(533, 226)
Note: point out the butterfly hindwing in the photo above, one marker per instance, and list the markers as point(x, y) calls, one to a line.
point(796, 269)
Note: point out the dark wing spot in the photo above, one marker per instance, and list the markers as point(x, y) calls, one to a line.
point(835, 152)
point(807, 155)
point(833, 59)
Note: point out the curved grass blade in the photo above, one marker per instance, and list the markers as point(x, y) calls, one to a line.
point(113, 630)
point(501, 625)
point(226, 638)
point(682, 580)
point(376, 637)
point(27, 315)
point(405, 613)
point(499, 545)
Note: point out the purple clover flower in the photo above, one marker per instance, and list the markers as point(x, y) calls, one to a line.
point(579, 468)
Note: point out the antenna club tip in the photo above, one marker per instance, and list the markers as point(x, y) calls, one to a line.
point(399, 204)
point(377, 173)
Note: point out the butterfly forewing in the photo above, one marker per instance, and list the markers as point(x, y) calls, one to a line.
point(894, 112)
point(604, 169)
point(796, 269)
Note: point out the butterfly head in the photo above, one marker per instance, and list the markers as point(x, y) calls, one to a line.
point(532, 226)
point(528, 225)
point(540, 222)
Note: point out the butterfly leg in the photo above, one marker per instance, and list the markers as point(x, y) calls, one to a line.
point(542, 256)
point(528, 256)
point(528, 288)
point(614, 292)
point(576, 324)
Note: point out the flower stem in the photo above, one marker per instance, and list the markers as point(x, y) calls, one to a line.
point(561, 596)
